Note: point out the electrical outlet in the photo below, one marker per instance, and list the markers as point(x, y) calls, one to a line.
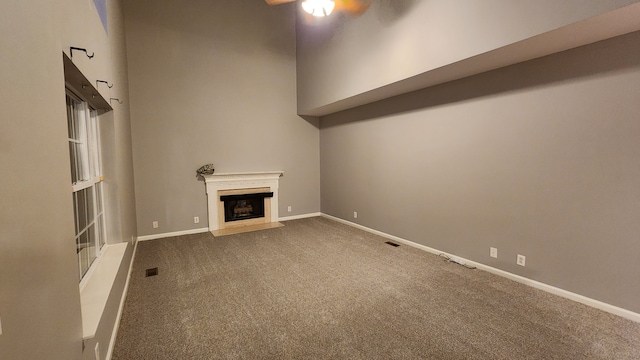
point(97, 351)
point(155, 224)
point(196, 219)
point(355, 214)
point(493, 252)
point(521, 259)
point(289, 208)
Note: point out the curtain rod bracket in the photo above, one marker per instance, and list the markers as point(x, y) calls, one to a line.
point(103, 81)
point(80, 49)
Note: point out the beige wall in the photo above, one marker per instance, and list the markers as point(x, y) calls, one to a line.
point(39, 295)
point(348, 60)
point(539, 159)
point(214, 82)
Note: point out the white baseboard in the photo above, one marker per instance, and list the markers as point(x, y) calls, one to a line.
point(170, 234)
point(521, 279)
point(202, 230)
point(116, 325)
point(296, 217)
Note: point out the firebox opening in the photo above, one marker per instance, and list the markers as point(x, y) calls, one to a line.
point(244, 206)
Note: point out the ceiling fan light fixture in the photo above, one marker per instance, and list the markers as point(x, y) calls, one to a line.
point(318, 8)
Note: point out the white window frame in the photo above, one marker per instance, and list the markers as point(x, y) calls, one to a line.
point(85, 162)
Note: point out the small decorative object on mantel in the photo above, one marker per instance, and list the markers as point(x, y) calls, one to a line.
point(205, 170)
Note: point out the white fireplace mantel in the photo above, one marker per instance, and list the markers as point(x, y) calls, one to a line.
point(232, 181)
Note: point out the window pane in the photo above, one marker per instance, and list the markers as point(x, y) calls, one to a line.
point(93, 145)
point(91, 243)
point(100, 230)
point(81, 159)
point(72, 158)
point(83, 257)
point(75, 212)
point(90, 203)
point(70, 126)
point(73, 107)
point(82, 209)
point(99, 197)
point(77, 131)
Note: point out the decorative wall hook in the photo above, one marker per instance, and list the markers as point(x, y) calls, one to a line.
point(118, 100)
point(80, 49)
point(103, 81)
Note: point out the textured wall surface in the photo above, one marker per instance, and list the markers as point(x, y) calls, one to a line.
point(344, 57)
point(539, 158)
point(39, 294)
point(221, 89)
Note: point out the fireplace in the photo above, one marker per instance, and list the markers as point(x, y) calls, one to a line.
point(242, 201)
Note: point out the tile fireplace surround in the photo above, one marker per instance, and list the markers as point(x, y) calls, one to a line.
point(235, 181)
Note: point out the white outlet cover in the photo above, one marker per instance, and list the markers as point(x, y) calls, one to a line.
point(196, 219)
point(493, 252)
point(355, 214)
point(520, 260)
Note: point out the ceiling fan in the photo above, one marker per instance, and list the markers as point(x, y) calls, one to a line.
point(321, 8)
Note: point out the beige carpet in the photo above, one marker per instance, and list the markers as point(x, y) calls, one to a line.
point(317, 289)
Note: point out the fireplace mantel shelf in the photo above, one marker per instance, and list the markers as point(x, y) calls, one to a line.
point(265, 175)
point(246, 180)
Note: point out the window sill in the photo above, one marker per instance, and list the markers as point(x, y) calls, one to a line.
point(95, 292)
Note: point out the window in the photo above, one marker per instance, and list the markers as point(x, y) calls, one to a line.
point(86, 181)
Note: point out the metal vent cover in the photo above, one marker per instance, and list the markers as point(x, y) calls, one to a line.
point(151, 272)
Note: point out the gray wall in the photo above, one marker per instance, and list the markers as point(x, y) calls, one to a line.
point(540, 158)
point(214, 82)
point(342, 57)
point(39, 294)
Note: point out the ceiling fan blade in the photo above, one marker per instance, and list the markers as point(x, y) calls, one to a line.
point(278, 2)
point(353, 7)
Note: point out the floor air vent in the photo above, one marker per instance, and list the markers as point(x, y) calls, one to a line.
point(152, 272)
point(392, 244)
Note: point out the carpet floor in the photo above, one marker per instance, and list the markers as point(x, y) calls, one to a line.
point(318, 289)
